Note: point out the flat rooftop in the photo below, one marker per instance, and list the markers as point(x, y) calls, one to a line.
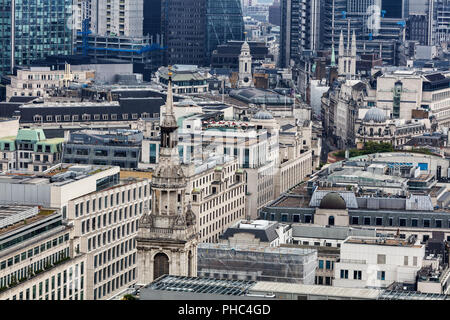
point(410, 295)
point(201, 285)
point(21, 216)
point(383, 242)
point(315, 290)
point(58, 175)
point(254, 224)
point(256, 249)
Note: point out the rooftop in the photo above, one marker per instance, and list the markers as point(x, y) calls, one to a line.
point(58, 175)
point(13, 217)
point(410, 295)
point(331, 232)
point(201, 285)
point(266, 250)
point(383, 242)
point(315, 290)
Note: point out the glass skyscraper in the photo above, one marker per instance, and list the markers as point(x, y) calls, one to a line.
point(33, 29)
point(224, 22)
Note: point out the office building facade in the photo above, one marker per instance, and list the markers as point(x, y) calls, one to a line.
point(115, 147)
point(32, 30)
point(184, 31)
point(38, 260)
point(300, 29)
point(224, 21)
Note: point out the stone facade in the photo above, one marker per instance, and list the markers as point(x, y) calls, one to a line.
point(167, 236)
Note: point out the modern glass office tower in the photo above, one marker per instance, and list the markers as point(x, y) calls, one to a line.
point(33, 29)
point(224, 22)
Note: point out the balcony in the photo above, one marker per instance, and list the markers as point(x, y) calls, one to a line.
point(353, 261)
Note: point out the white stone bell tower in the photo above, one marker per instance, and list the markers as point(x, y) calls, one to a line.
point(245, 67)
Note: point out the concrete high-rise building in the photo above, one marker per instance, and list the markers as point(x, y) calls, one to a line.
point(375, 33)
point(275, 13)
point(184, 31)
point(167, 236)
point(210, 23)
point(417, 29)
point(300, 29)
point(33, 31)
point(441, 23)
point(110, 17)
point(119, 17)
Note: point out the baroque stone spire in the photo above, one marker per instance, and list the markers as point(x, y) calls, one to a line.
point(167, 236)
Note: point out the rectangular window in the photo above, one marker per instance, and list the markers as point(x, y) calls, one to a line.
point(379, 221)
point(344, 274)
point(328, 265)
point(405, 260)
point(355, 220)
point(381, 259)
point(381, 275)
point(414, 222)
point(402, 222)
point(320, 264)
point(438, 223)
point(367, 221)
point(357, 275)
point(308, 218)
point(426, 223)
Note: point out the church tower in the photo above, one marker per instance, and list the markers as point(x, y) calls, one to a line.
point(347, 58)
point(245, 67)
point(167, 236)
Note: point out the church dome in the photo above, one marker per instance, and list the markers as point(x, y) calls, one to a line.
point(376, 115)
point(333, 200)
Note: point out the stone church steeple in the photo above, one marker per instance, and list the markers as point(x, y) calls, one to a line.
point(347, 58)
point(167, 235)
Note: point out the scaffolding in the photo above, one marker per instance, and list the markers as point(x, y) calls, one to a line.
point(257, 263)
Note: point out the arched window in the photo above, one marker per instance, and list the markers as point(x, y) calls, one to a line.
point(331, 220)
point(160, 265)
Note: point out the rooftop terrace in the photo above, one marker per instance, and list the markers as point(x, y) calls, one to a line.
point(382, 242)
point(13, 217)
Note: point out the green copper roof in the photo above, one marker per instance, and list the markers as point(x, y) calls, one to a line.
point(55, 144)
point(10, 141)
point(33, 135)
point(36, 138)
